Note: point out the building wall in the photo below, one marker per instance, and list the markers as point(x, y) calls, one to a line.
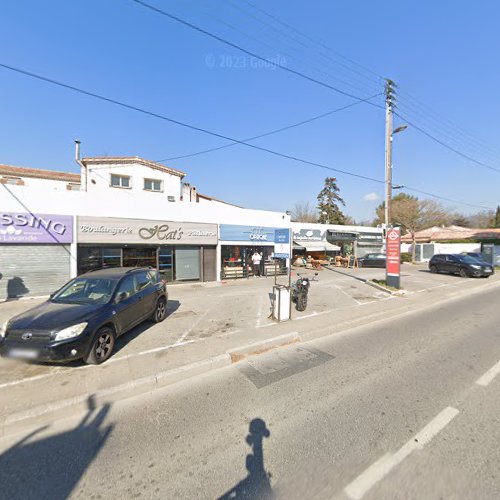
point(99, 179)
point(132, 204)
point(46, 185)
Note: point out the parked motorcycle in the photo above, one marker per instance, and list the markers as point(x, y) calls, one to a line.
point(300, 290)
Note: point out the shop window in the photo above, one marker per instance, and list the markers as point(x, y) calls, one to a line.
point(139, 257)
point(153, 185)
point(120, 181)
point(90, 259)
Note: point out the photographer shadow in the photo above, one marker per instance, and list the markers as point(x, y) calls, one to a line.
point(257, 484)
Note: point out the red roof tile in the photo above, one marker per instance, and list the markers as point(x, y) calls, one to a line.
point(37, 173)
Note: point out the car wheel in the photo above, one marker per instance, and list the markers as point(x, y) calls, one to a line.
point(463, 273)
point(102, 346)
point(433, 269)
point(160, 311)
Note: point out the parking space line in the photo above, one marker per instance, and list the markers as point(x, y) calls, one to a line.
point(488, 377)
point(350, 296)
point(378, 470)
point(259, 312)
point(192, 327)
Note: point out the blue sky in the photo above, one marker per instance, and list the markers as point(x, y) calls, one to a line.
point(443, 56)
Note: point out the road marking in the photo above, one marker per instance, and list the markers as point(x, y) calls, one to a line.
point(192, 327)
point(315, 314)
point(86, 367)
point(350, 296)
point(259, 312)
point(485, 379)
point(150, 351)
point(267, 324)
point(378, 470)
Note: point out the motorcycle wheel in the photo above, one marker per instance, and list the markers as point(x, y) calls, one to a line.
point(302, 302)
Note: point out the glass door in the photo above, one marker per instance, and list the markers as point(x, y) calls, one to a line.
point(166, 261)
point(187, 263)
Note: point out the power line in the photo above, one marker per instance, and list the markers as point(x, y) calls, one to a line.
point(250, 53)
point(182, 124)
point(380, 79)
point(303, 75)
point(447, 146)
point(272, 30)
point(282, 129)
point(209, 132)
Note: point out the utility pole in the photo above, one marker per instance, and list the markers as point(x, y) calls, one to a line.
point(389, 104)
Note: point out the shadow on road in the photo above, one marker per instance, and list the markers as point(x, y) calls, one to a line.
point(128, 337)
point(256, 485)
point(52, 466)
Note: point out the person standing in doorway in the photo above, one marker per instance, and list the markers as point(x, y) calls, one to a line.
point(256, 258)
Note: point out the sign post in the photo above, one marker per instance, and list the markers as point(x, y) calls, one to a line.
point(393, 259)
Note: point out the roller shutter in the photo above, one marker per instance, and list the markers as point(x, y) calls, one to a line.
point(30, 270)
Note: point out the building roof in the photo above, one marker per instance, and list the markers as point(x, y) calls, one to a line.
point(211, 198)
point(39, 174)
point(131, 160)
point(437, 233)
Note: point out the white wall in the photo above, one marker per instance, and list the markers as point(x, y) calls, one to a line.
point(99, 179)
point(46, 185)
point(132, 204)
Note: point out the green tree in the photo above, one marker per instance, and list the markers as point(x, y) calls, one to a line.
point(414, 215)
point(497, 217)
point(328, 203)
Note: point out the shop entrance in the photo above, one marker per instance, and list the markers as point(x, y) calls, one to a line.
point(139, 257)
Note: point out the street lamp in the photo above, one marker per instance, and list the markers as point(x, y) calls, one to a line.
point(388, 169)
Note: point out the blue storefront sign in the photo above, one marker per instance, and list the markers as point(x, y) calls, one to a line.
point(252, 234)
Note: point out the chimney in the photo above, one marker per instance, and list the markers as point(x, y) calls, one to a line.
point(194, 195)
point(186, 191)
point(83, 168)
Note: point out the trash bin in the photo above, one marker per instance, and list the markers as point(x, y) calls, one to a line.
point(281, 302)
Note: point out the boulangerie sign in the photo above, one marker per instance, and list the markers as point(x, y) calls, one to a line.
point(136, 231)
point(25, 227)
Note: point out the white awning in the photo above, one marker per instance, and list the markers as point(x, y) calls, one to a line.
point(316, 246)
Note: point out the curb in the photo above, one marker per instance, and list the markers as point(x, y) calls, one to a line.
point(45, 414)
point(382, 288)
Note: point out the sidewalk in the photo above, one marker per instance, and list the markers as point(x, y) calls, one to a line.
point(46, 392)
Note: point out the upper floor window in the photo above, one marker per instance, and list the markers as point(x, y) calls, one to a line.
point(120, 181)
point(16, 181)
point(153, 185)
point(73, 187)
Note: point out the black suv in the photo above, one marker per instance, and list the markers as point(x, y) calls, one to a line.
point(464, 265)
point(84, 317)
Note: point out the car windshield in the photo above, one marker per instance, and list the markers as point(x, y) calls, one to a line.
point(467, 259)
point(86, 291)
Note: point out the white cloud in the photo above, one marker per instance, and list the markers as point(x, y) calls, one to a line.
point(371, 197)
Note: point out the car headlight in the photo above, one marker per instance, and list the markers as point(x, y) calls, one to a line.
point(3, 329)
point(70, 332)
point(475, 267)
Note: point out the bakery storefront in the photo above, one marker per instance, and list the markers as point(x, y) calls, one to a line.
point(181, 251)
point(238, 244)
point(35, 253)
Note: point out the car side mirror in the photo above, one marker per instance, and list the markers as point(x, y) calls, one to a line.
point(121, 297)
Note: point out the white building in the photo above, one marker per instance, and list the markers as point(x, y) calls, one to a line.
point(329, 239)
point(117, 211)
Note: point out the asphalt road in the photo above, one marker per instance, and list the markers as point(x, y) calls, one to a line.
point(410, 409)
